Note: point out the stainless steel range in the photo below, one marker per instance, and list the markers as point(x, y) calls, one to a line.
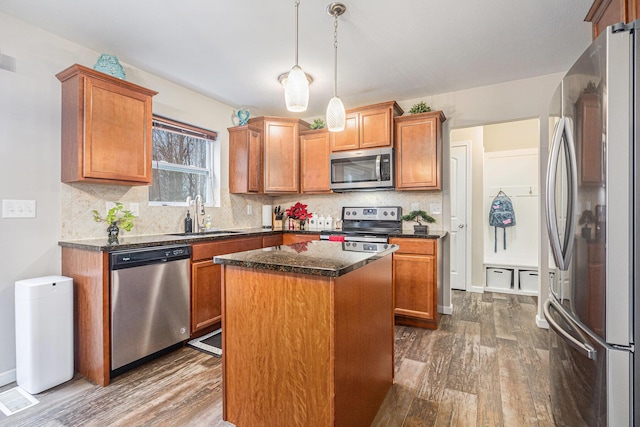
point(364, 227)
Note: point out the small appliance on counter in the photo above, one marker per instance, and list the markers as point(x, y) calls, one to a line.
point(267, 218)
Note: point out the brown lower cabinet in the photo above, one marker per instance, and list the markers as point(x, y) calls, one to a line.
point(416, 273)
point(206, 312)
point(291, 238)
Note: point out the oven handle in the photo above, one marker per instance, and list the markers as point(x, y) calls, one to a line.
point(365, 239)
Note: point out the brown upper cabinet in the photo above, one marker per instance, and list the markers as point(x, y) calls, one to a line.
point(245, 159)
point(315, 148)
point(607, 12)
point(106, 128)
point(419, 151)
point(279, 165)
point(367, 127)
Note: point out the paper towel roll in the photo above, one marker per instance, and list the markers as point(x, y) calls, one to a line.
point(267, 210)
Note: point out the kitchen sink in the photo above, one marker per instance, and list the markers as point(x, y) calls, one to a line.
point(205, 233)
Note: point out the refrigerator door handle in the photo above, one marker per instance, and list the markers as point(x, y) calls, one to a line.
point(572, 199)
point(585, 348)
point(552, 220)
point(562, 251)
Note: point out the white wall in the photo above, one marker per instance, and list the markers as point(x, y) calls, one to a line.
point(515, 172)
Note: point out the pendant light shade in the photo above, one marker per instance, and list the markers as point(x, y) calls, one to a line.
point(335, 110)
point(296, 90)
point(335, 115)
point(296, 82)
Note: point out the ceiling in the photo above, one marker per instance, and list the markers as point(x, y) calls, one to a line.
point(403, 49)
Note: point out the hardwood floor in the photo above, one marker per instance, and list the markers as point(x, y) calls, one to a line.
point(486, 365)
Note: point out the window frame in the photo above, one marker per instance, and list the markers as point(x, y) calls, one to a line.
point(170, 125)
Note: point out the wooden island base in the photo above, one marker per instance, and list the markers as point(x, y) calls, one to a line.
point(303, 349)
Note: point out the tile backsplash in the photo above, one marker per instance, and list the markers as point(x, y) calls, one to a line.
point(79, 200)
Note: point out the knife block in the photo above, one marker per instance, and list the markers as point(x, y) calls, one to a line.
point(277, 223)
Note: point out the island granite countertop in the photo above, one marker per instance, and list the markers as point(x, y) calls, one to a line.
point(316, 257)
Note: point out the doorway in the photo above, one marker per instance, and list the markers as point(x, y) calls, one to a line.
point(482, 140)
point(460, 258)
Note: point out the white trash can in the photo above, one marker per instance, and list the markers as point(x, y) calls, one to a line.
point(44, 332)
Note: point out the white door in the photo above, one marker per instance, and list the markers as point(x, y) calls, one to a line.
point(459, 224)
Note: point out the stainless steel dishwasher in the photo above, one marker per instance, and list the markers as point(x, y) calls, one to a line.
point(150, 302)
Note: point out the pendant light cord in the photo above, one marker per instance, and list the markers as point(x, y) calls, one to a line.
point(335, 54)
point(297, 3)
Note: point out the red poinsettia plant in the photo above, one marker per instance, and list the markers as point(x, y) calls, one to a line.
point(298, 211)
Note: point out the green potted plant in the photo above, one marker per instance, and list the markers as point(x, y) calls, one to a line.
point(318, 124)
point(117, 217)
point(420, 107)
point(419, 216)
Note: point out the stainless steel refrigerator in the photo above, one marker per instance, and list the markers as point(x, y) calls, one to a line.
point(592, 210)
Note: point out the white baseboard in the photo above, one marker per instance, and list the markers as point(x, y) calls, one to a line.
point(477, 289)
point(541, 322)
point(445, 309)
point(7, 377)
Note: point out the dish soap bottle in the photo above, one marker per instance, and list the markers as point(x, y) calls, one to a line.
point(208, 223)
point(188, 223)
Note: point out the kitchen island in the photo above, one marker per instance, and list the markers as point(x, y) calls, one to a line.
point(307, 334)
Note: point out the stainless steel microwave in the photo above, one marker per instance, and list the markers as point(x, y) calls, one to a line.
point(368, 169)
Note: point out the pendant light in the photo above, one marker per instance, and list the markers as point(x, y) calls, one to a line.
point(296, 82)
point(335, 110)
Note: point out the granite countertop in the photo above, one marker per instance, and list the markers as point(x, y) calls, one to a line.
point(432, 234)
point(317, 258)
point(132, 242)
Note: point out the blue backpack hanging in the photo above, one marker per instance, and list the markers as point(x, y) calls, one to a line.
point(501, 215)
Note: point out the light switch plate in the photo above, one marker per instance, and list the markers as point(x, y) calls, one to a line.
point(249, 209)
point(435, 208)
point(18, 208)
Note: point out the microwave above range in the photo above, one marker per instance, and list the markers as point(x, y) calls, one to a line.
point(371, 169)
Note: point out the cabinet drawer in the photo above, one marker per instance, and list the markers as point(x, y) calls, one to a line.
point(415, 246)
point(210, 249)
point(274, 240)
point(289, 239)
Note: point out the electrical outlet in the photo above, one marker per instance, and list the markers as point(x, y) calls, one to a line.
point(18, 208)
point(249, 209)
point(436, 208)
point(415, 206)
